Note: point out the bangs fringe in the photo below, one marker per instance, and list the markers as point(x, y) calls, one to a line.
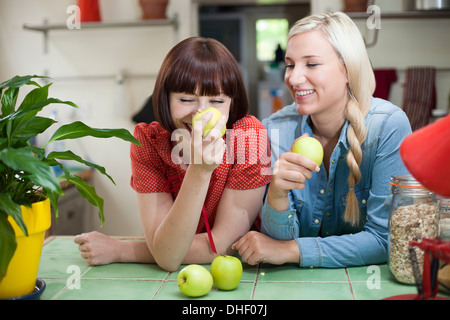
point(205, 75)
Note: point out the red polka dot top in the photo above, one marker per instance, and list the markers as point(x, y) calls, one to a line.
point(245, 164)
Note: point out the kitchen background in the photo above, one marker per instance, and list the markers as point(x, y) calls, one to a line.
point(110, 71)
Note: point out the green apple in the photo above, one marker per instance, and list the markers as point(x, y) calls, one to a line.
point(309, 147)
point(194, 280)
point(211, 123)
point(226, 272)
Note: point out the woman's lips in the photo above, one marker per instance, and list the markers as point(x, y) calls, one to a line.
point(304, 94)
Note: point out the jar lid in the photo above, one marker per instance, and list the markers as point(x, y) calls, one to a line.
point(405, 181)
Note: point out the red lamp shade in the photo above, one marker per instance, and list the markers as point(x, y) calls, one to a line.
point(426, 154)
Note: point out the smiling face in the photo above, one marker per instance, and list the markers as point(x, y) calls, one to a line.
point(184, 106)
point(314, 74)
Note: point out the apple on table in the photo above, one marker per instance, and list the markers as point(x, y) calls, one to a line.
point(194, 280)
point(226, 272)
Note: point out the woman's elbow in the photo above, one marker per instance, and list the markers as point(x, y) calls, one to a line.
point(165, 260)
point(169, 266)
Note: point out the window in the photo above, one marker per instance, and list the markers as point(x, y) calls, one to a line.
point(270, 33)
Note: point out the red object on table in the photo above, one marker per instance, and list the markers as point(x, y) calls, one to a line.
point(426, 155)
point(434, 249)
point(89, 10)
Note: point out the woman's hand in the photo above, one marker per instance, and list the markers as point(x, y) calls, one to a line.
point(290, 171)
point(208, 151)
point(97, 248)
point(256, 247)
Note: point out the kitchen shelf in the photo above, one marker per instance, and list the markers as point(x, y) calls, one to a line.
point(403, 15)
point(45, 27)
point(398, 15)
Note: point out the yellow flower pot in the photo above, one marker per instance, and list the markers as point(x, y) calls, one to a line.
point(22, 271)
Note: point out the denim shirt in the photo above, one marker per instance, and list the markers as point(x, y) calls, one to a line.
point(315, 218)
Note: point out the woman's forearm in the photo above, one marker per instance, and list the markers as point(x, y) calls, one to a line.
point(134, 251)
point(279, 200)
point(174, 236)
point(137, 251)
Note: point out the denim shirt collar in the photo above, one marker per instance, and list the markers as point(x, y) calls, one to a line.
point(306, 128)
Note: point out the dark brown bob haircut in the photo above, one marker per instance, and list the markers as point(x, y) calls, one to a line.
point(199, 66)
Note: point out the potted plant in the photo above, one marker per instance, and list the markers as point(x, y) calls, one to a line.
point(27, 181)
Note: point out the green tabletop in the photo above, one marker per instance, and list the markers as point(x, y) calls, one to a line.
point(69, 277)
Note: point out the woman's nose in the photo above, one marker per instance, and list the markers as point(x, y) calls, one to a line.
point(296, 77)
point(202, 104)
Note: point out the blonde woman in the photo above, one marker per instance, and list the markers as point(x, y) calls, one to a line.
point(333, 215)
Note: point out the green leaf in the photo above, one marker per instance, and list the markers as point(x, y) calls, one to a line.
point(32, 127)
point(53, 197)
point(8, 206)
point(88, 192)
point(39, 152)
point(69, 155)
point(19, 81)
point(39, 172)
point(79, 129)
point(35, 96)
point(9, 99)
point(23, 115)
point(9, 244)
point(32, 110)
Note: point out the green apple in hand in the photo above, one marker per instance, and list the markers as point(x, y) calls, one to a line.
point(226, 272)
point(309, 147)
point(211, 123)
point(194, 280)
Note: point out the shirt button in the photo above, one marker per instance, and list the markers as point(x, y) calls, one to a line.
point(364, 201)
point(289, 216)
point(322, 191)
point(316, 221)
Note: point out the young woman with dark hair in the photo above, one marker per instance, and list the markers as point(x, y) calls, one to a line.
point(176, 193)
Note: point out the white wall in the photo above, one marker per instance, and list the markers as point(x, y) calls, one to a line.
point(75, 55)
point(406, 42)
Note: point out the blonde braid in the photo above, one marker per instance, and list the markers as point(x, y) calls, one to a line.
point(356, 134)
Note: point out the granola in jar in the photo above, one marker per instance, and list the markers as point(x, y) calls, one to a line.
point(413, 215)
point(410, 223)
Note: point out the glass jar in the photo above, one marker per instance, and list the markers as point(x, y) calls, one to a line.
point(413, 215)
point(444, 219)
